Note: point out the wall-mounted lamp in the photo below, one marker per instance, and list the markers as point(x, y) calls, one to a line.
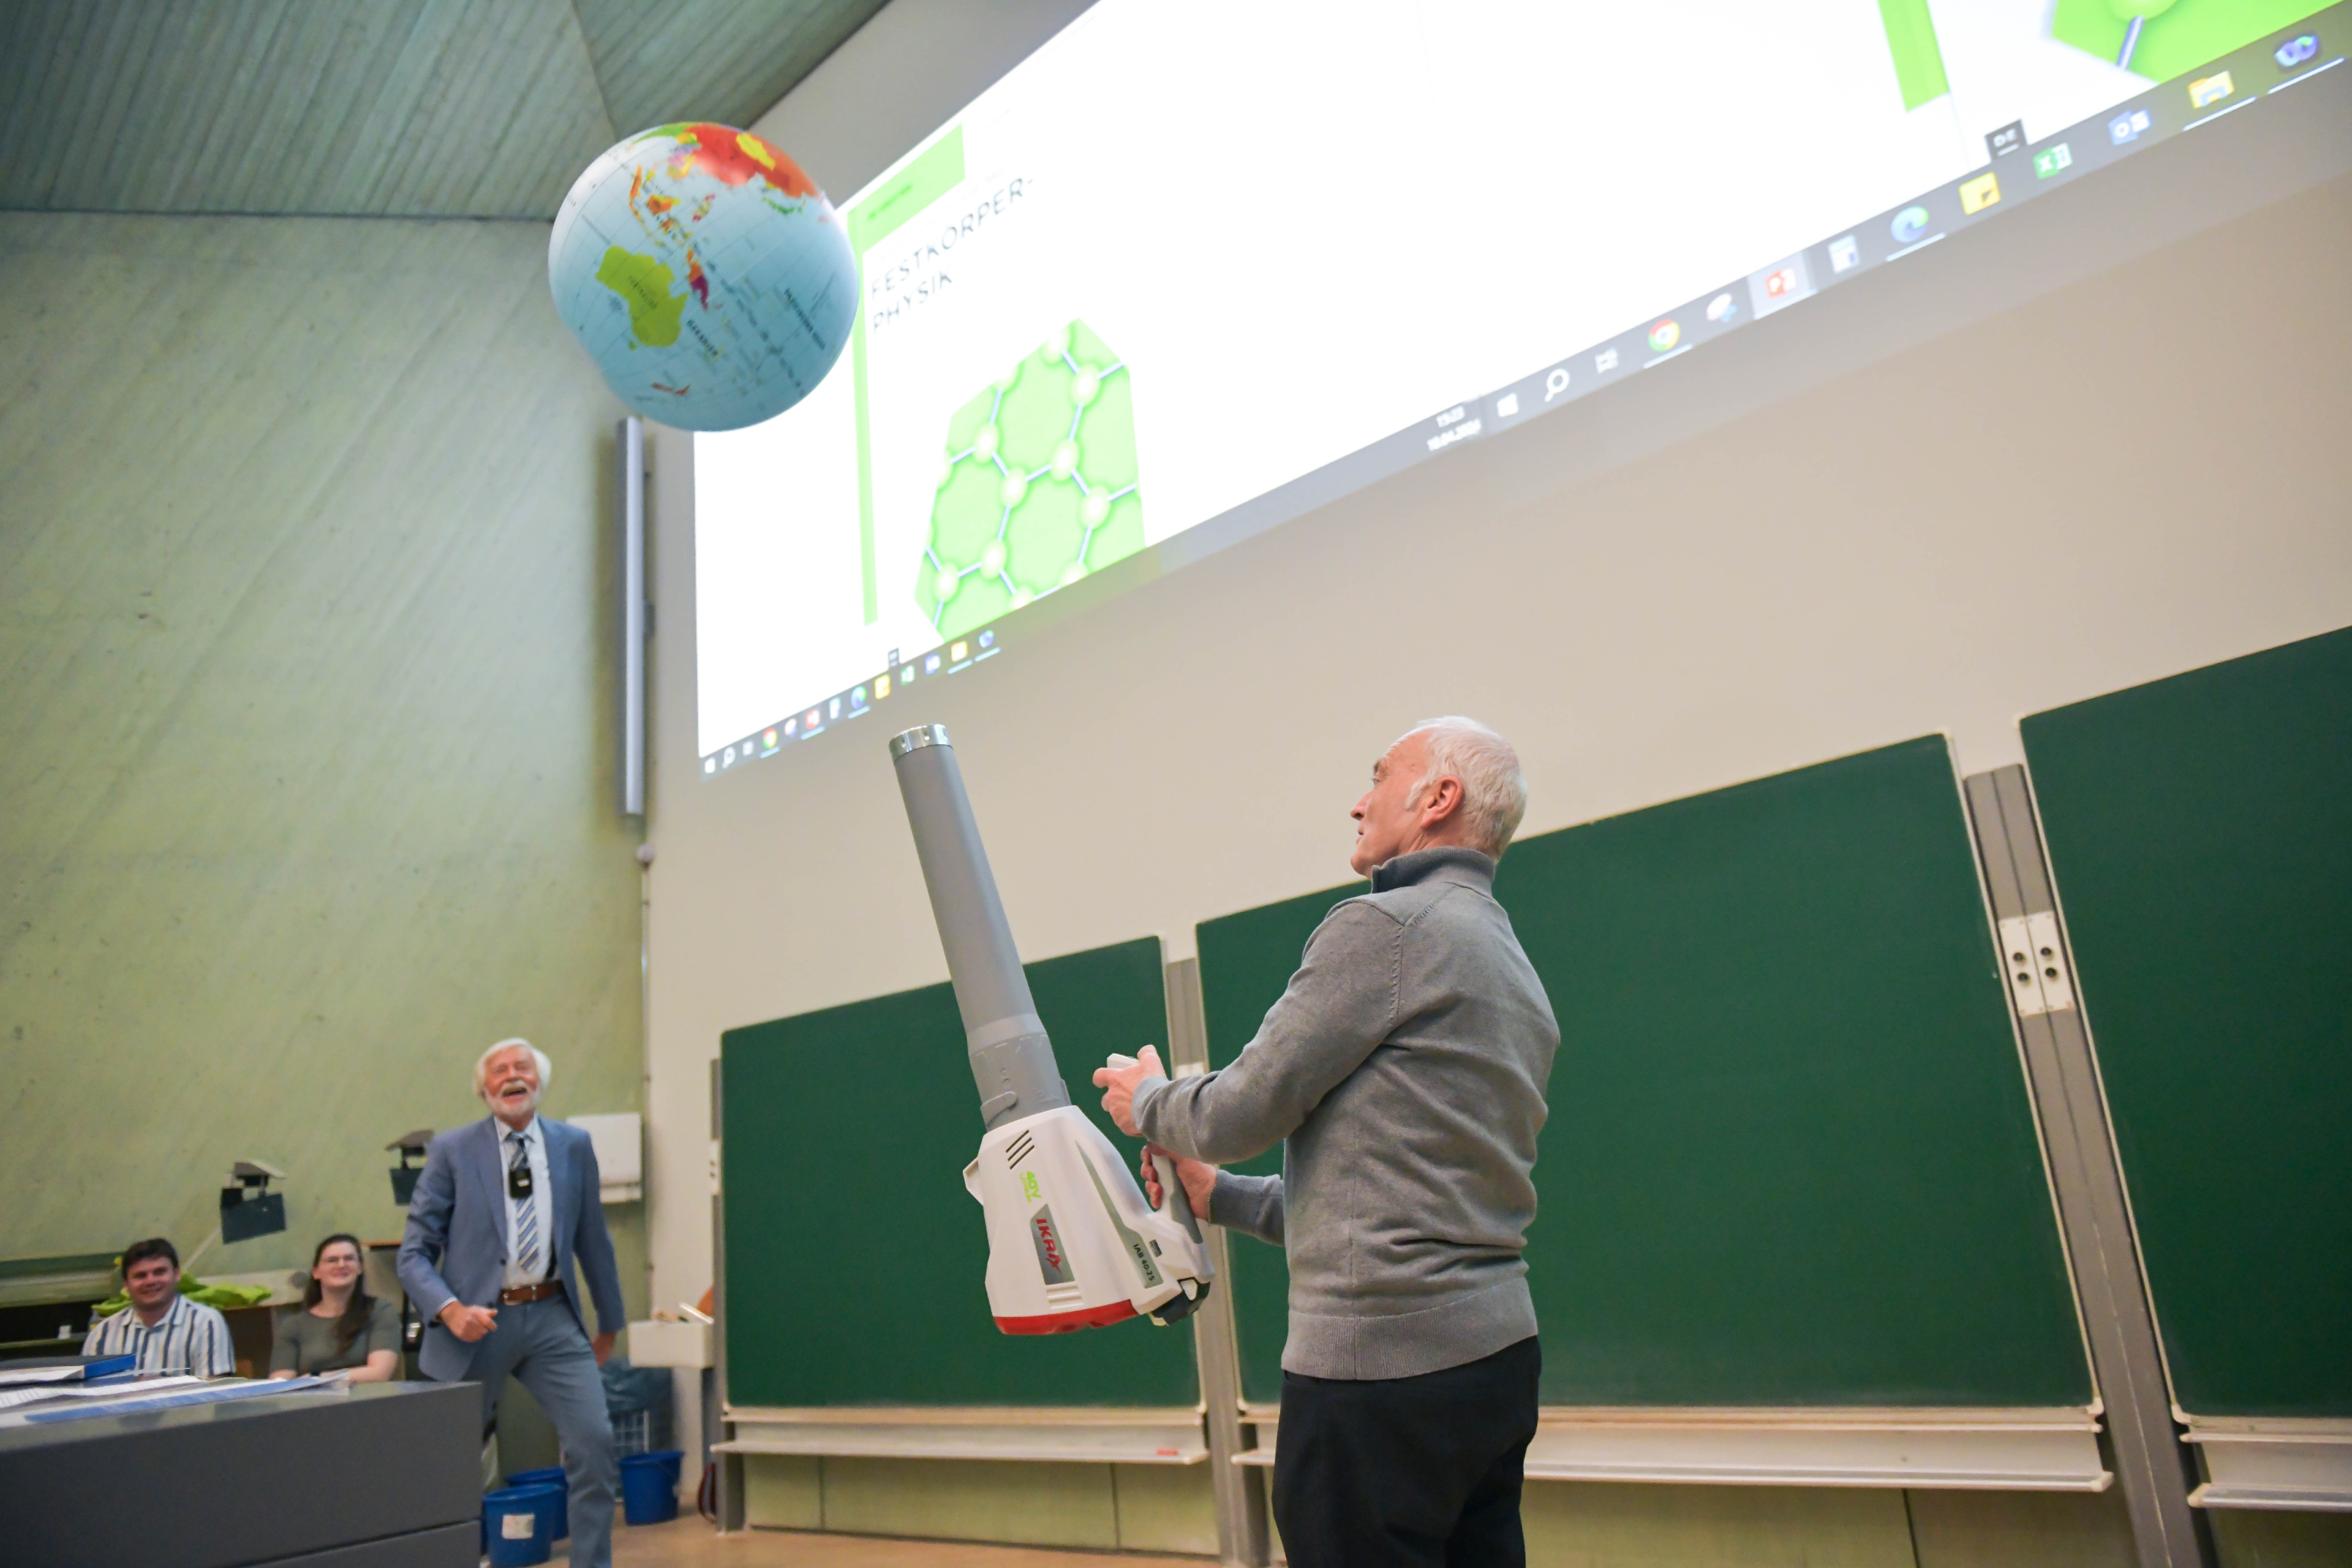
point(411, 1147)
point(247, 1207)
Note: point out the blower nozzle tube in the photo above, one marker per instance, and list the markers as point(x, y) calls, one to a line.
point(1012, 1059)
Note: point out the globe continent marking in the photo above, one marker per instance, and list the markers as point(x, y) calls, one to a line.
point(1039, 487)
point(706, 275)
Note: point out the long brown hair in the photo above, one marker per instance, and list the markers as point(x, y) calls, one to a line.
point(354, 1320)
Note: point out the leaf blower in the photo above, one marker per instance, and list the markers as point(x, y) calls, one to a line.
point(1072, 1243)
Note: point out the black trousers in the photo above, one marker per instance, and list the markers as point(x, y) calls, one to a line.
point(1408, 1471)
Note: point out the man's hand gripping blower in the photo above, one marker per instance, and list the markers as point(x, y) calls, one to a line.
point(1072, 1244)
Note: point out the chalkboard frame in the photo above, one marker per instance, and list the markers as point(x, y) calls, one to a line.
point(904, 1156)
point(1909, 790)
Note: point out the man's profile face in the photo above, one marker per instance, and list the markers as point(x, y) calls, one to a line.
point(510, 1083)
point(151, 1282)
point(1383, 821)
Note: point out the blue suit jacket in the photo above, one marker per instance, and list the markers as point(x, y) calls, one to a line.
point(455, 1249)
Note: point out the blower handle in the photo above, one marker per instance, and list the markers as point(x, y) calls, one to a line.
point(1171, 1190)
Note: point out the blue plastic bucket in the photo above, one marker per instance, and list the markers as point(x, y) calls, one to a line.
point(649, 1486)
point(552, 1476)
point(516, 1522)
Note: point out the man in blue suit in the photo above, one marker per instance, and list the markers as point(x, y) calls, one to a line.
point(501, 1210)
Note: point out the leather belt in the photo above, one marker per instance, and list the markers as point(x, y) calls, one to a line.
point(523, 1295)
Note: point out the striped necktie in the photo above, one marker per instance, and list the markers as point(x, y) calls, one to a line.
point(527, 1213)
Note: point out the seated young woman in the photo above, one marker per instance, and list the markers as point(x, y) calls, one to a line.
point(340, 1327)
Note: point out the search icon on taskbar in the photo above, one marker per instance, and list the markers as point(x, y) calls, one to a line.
point(1555, 383)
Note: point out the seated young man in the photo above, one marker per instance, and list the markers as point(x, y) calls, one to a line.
point(163, 1329)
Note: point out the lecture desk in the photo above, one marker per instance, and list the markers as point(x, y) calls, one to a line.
point(387, 1476)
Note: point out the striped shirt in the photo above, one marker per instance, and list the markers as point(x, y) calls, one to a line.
point(191, 1338)
point(541, 1232)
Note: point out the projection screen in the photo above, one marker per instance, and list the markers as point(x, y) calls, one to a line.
point(1188, 271)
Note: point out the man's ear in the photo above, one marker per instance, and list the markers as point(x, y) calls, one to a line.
point(1445, 797)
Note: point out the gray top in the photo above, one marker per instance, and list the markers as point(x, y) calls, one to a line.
point(1404, 1071)
point(306, 1341)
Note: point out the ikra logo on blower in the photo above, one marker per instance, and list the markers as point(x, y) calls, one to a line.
point(1050, 1262)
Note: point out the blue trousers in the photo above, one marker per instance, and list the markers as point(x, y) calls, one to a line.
point(539, 1345)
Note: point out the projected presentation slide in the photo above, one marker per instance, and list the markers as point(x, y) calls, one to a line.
point(1185, 258)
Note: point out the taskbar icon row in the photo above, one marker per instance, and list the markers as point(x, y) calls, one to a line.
point(949, 659)
point(2016, 170)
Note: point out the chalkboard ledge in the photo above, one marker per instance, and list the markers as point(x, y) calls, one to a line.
point(1981, 1449)
point(1084, 1435)
point(2264, 1461)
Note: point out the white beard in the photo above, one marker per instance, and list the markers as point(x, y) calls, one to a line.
point(505, 1107)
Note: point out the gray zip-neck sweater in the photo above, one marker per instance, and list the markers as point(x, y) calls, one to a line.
point(1404, 1071)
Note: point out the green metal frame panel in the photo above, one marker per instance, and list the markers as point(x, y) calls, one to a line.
point(1791, 1160)
point(2201, 832)
point(856, 1260)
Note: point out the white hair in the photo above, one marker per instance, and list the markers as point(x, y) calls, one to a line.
point(1493, 790)
point(482, 1063)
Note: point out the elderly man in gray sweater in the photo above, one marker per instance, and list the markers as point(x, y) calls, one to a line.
point(1403, 1073)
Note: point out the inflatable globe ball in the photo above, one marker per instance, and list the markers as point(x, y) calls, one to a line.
point(705, 273)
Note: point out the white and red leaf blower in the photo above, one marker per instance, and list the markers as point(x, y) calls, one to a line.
point(1072, 1243)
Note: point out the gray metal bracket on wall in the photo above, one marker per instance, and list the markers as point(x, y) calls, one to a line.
point(1243, 1535)
point(731, 1465)
point(2150, 1461)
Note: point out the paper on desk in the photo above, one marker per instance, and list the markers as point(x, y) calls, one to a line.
point(109, 1388)
point(152, 1394)
point(21, 1375)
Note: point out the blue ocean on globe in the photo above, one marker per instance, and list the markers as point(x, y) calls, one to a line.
point(705, 273)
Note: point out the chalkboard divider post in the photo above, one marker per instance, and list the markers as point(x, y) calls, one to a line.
point(1242, 1534)
point(718, 1430)
point(2110, 1290)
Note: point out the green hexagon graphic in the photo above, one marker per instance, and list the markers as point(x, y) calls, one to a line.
point(1039, 487)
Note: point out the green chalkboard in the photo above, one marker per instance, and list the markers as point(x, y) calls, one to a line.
point(2201, 832)
point(1791, 1159)
point(855, 1257)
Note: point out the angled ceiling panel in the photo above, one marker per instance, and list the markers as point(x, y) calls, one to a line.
point(728, 60)
point(444, 108)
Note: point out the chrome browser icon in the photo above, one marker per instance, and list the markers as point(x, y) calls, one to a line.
point(1909, 224)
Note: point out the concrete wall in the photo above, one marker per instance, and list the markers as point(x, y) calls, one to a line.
point(307, 745)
